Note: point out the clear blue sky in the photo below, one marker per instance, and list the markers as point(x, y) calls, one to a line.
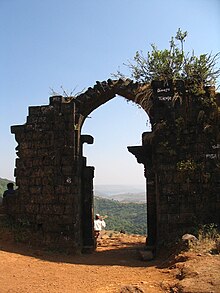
point(49, 43)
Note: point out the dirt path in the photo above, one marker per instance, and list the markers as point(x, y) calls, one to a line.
point(115, 267)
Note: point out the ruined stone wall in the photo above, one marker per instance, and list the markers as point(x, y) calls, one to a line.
point(181, 159)
point(47, 175)
point(54, 199)
point(185, 162)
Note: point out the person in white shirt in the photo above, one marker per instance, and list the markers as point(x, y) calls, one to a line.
point(99, 224)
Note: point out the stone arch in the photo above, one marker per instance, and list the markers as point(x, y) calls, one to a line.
point(103, 92)
point(55, 184)
point(85, 104)
point(91, 100)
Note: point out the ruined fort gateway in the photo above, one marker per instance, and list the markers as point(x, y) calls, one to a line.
point(55, 185)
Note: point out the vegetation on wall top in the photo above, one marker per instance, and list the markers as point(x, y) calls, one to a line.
point(174, 63)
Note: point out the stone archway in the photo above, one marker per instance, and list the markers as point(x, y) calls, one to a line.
point(114, 165)
point(86, 103)
point(55, 185)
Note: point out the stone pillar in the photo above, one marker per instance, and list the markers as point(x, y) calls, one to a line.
point(87, 209)
point(143, 155)
point(87, 218)
point(151, 213)
point(48, 175)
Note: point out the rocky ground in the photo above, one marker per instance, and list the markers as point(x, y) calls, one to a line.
point(116, 267)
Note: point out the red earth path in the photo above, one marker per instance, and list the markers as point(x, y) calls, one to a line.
point(116, 266)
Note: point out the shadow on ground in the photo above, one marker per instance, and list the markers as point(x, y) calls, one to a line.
point(116, 251)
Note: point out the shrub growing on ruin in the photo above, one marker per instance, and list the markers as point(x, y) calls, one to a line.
point(173, 64)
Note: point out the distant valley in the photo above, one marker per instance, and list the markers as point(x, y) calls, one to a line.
point(122, 193)
point(129, 217)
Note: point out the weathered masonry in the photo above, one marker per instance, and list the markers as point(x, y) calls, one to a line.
point(55, 186)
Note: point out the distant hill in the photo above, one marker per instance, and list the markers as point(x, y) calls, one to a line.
point(127, 197)
point(117, 189)
point(122, 193)
point(130, 217)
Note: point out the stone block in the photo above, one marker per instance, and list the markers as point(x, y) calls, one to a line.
point(34, 110)
point(32, 208)
point(67, 170)
point(35, 190)
point(69, 209)
point(62, 190)
point(173, 218)
point(52, 209)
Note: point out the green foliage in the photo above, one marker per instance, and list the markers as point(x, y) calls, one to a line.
point(200, 72)
point(210, 231)
point(174, 63)
point(207, 231)
point(130, 217)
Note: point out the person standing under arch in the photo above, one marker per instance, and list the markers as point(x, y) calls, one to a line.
point(99, 224)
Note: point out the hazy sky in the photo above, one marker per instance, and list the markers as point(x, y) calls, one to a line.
point(52, 43)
